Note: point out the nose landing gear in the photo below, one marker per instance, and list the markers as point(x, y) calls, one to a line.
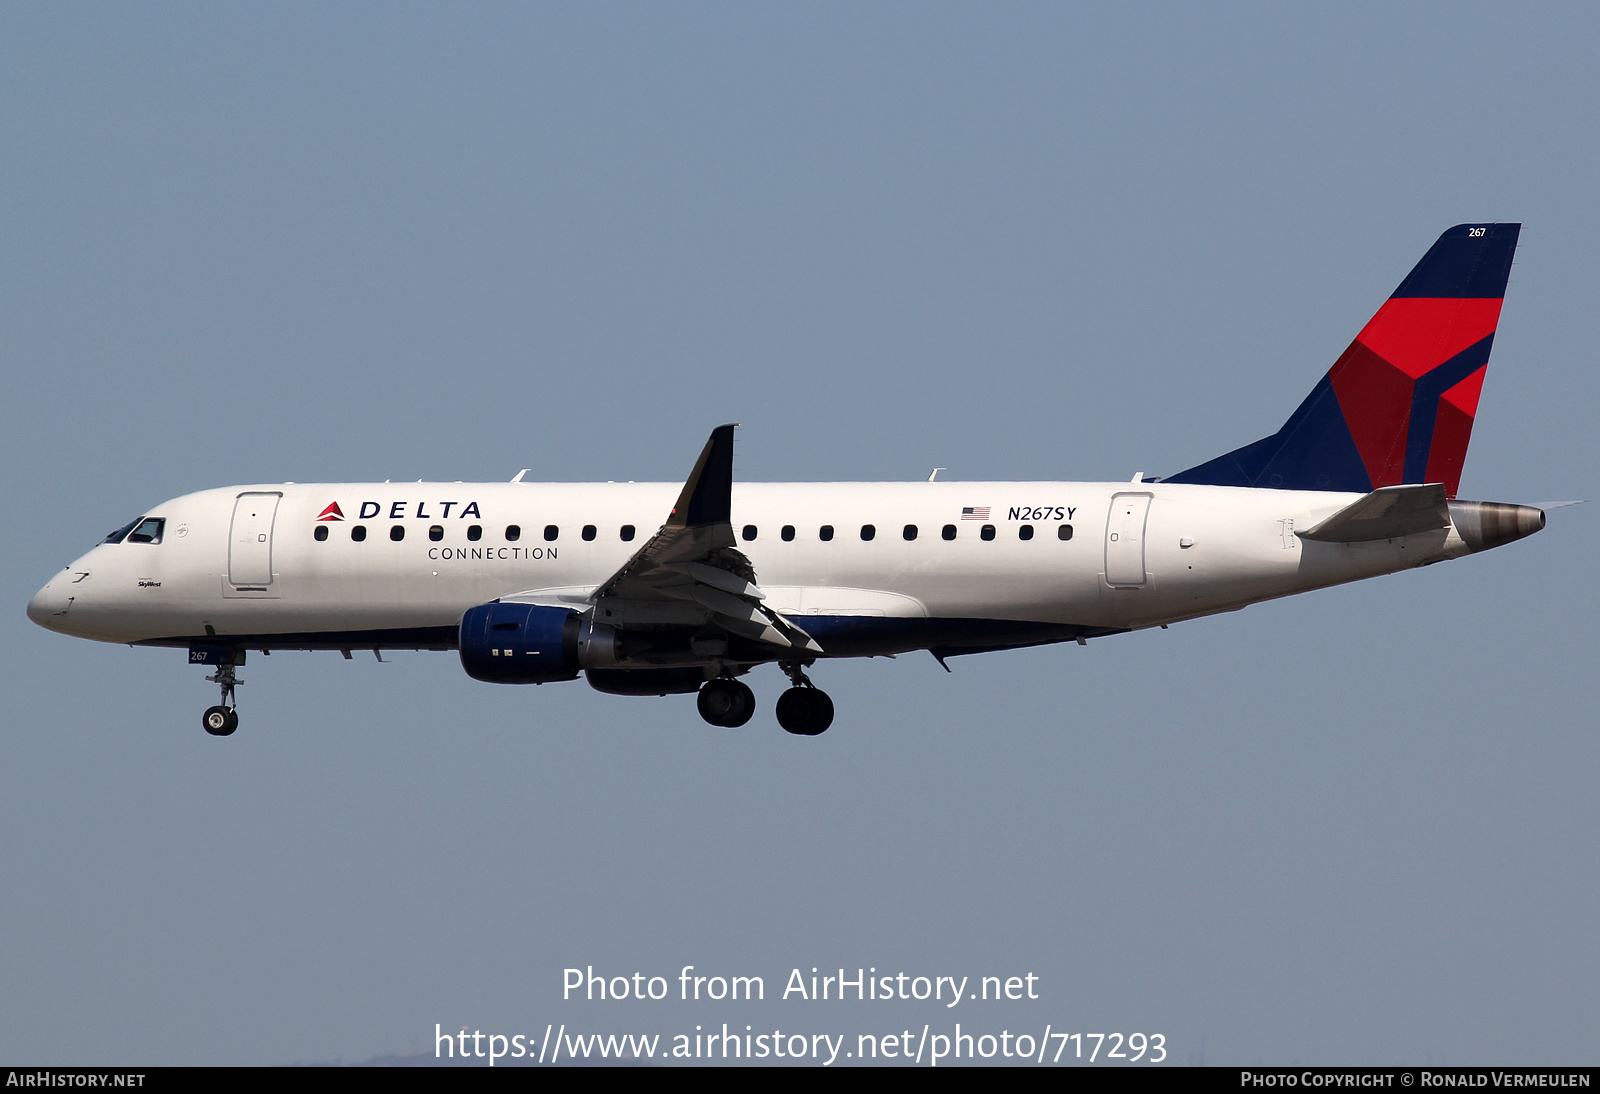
point(219, 721)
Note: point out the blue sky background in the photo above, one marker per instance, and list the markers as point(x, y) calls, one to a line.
point(296, 242)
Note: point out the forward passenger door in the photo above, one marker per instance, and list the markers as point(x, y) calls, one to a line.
point(250, 540)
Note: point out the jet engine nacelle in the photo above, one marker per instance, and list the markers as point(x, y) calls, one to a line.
point(512, 643)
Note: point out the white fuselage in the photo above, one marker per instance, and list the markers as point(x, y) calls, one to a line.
point(1139, 555)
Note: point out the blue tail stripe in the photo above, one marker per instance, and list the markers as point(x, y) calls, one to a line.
point(1425, 403)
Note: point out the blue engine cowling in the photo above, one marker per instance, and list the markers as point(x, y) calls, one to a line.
point(520, 643)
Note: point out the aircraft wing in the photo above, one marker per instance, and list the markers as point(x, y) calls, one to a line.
point(1386, 513)
point(693, 558)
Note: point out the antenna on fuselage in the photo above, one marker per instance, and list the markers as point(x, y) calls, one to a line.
point(521, 473)
point(935, 476)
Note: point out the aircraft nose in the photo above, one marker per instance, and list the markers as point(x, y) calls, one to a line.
point(50, 604)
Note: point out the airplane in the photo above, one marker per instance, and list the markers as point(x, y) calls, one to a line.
point(661, 588)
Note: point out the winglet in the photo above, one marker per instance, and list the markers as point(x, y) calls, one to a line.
point(707, 496)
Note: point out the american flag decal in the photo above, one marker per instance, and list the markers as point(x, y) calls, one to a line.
point(975, 512)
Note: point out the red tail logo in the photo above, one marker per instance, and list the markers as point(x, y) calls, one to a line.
point(332, 512)
point(1398, 405)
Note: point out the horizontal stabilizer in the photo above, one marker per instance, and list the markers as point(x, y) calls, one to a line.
point(1387, 513)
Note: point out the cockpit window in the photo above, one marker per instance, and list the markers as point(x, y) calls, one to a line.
point(117, 536)
point(149, 530)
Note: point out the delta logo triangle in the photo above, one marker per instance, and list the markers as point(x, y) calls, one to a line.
point(332, 512)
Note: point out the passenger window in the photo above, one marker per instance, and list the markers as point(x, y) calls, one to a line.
point(397, 533)
point(1063, 531)
point(148, 531)
point(1025, 532)
point(949, 531)
point(358, 532)
point(436, 532)
point(588, 532)
point(987, 532)
point(627, 533)
point(321, 533)
point(787, 533)
point(825, 533)
point(910, 531)
point(551, 532)
point(867, 532)
point(748, 533)
point(121, 533)
point(513, 533)
point(475, 532)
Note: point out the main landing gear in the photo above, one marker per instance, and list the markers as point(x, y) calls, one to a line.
point(222, 720)
point(804, 709)
point(724, 702)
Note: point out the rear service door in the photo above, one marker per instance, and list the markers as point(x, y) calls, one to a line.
point(250, 540)
point(1125, 540)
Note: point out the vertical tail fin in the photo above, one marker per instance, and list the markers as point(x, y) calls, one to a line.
point(1398, 405)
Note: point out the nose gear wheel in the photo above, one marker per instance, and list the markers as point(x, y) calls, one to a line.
point(219, 721)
